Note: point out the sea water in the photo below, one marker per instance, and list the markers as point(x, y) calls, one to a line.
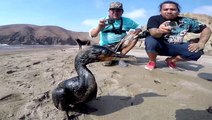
point(16, 47)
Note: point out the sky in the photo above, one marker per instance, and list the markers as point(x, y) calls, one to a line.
point(82, 15)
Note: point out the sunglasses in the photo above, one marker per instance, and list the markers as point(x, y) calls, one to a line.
point(115, 9)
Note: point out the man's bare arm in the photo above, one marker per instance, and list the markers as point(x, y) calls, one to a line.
point(95, 31)
point(159, 32)
point(204, 37)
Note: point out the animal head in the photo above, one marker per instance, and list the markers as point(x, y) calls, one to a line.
point(99, 53)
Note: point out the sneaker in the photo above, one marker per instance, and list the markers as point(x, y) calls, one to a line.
point(109, 63)
point(123, 64)
point(150, 66)
point(170, 64)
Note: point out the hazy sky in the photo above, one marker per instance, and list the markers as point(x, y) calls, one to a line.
point(82, 15)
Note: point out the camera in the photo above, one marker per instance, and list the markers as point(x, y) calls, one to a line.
point(109, 21)
point(172, 24)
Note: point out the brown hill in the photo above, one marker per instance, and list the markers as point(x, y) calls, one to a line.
point(53, 35)
point(206, 19)
point(27, 34)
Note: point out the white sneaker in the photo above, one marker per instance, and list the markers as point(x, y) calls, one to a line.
point(123, 64)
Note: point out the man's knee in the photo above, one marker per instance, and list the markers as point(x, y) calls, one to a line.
point(150, 43)
point(130, 43)
point(195, 56)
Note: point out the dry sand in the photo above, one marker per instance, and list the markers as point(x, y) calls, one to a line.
point(28, 76)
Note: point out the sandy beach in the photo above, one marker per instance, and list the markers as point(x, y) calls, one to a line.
point(28, 76)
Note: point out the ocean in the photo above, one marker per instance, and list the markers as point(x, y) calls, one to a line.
point(5, 47)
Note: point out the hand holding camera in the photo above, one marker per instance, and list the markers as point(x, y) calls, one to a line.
point(172, 24)
point(167, 27)
point(109, 21)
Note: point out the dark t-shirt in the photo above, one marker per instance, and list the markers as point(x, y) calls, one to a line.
point(183, 25)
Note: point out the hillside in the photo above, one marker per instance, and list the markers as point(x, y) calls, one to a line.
point(204, 19)
point(26, 34)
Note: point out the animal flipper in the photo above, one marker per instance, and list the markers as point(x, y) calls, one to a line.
point(74, 116)
point(59, 100)
point(92, 96)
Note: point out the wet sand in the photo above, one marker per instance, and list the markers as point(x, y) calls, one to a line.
point(28, 76)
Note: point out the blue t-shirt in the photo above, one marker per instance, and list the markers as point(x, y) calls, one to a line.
point(110, 37)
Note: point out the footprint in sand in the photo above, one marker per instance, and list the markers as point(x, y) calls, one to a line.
point(23, 84)
point(8, 101)
point(113, 87)
point(12, 97)
point(33, 109)
point(115, 74)
point(194, 86)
